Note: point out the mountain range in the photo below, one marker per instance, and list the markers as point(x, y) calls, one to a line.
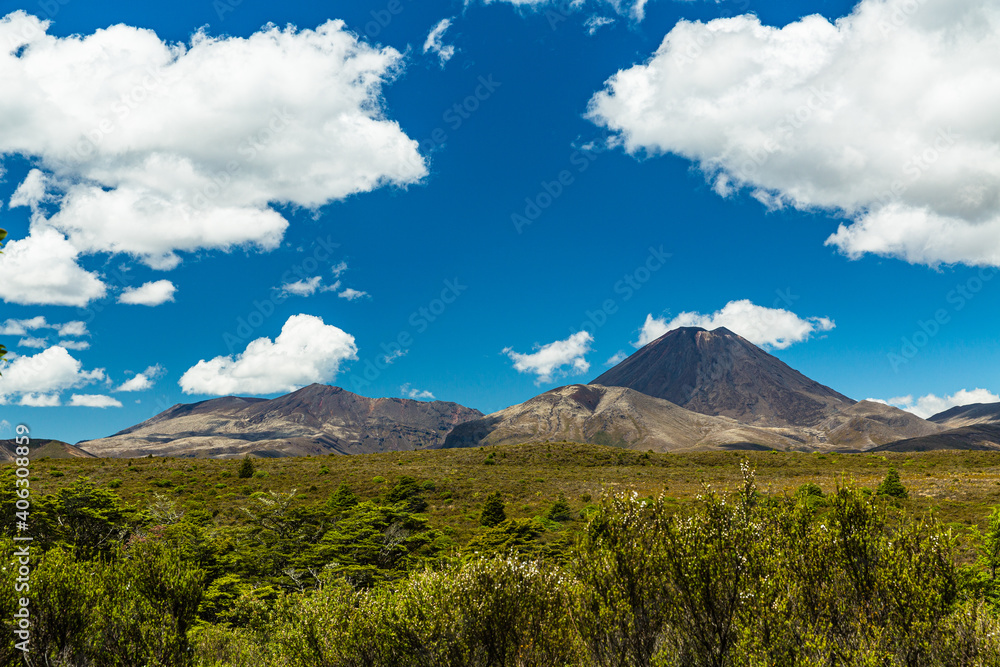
point(689, 389)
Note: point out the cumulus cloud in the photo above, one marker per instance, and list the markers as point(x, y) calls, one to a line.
point(930, 405)
point(149, 294)
point(13, 327)
point(74, 328)
point(151, 149)
point(32, 342)
point(886, 116)
point(416, 394)
point(42, 269)
point(94, 401)
point(304, 287)
point(39, 377)
point(434, 43)
point(74, 344)
point(142, 381)
point(768, 327)
point(562, 357)
point(306, 351)
point(40, 400)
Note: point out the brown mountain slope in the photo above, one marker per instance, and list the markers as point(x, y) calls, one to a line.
point(720, 373)
point(869, 424)
point(614, 416)
point(52, 449)
point(968, 415)
point(317, 419)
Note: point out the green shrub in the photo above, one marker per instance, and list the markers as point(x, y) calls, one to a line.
point(493, 512)
point(247, 469)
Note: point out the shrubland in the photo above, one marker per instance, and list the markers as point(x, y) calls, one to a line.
point(550, 554)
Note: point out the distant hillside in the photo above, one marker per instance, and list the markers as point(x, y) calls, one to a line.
point(722, 374)
point(613, 416)
point(317, 419)
point(981, 437)
point(869, 424)
point(52, 449)
point(968, 415)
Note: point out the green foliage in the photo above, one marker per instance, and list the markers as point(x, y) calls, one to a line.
point(246, 468)
point(560, 510)
point(513, 535)
point(494, 512)
point(407, 491)
point(891, 486)
point(343, 498)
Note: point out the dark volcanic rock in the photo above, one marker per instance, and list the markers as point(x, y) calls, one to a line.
point(720, 373)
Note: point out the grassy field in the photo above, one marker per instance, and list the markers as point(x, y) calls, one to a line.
point(959, 486)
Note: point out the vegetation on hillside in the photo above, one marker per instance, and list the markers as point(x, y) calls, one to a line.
point(155, 562)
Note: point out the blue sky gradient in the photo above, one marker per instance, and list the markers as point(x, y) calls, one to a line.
point(517, 288)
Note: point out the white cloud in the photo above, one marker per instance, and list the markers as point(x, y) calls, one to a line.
point(338, 269)
point(40, 400)
point(617, 357)
point(306, 351)
point(151, 148)
point(36, 325)
point(42, 269)
point(351, 294)
point(47, 372)
point(886, 116)
point(305, 287)
point(416, 394)
point(74, 328)
point(595, 23)
point(930, 405)
point(149, 294)
point(142, 381)
point(562, 357)
point(768, 327)
point(434, 42)
point(21, 327)
point(94, 401)
point(5, 427)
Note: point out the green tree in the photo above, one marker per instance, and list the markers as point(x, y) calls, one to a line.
point(560, 510)
point(246, 468)
point(891, 486)
point(493, 513)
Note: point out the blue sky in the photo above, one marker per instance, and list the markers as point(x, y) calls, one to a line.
point(542, 188)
